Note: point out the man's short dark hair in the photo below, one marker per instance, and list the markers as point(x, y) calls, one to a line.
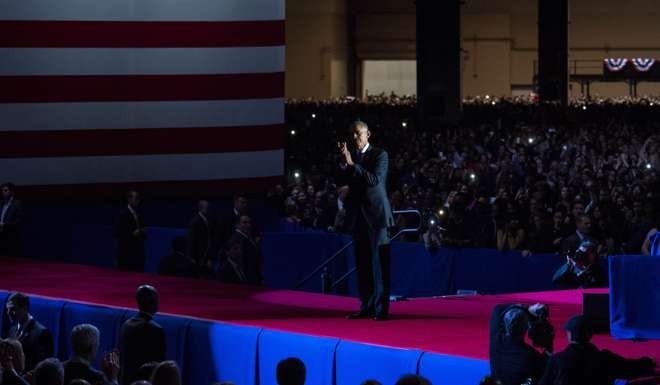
point(146, 297)
point(413, 379)
point(49, 372)
point(20, 300)
point(291, 371)
point(9, 186)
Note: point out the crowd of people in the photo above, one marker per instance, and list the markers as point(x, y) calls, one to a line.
point(512, 175)
point(27, 355)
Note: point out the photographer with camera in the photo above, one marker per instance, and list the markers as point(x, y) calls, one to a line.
point(581, 268)
point(512, 360)
point(583, 363)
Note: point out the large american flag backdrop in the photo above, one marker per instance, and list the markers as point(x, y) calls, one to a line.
point(171, 94)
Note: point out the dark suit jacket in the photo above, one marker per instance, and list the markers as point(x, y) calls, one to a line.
point(251, 261)
point(199, 246)
point(74, 369)
point(13, 215)
point(368, 195)
point(141, 340)
point(37, 343)
point(130, 248)
point(10, 235)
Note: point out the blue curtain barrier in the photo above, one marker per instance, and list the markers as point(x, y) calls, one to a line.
point(635, 296)
point(209, 352)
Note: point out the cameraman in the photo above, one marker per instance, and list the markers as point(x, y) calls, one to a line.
point(583, 363)
point(512, 360)
point(581, 269)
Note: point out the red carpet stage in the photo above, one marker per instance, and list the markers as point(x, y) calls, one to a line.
point(456, 326)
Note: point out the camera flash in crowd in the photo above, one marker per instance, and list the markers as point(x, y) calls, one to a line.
point(313, 116)
point(493, 102)
point(565, 147)
point(648, 166)
point(404, 124)
point(487, 96)
point(584, 108)
point(296, 174)
point(293, 132)
point(652, 104)
point(472, 176)
point(441, 212)
point(432, 222)
point(530, 140)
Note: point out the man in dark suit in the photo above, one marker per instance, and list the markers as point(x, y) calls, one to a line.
point(84, 346)
point(130, 234)
point(36, 339)
point(368, 209)
point(250, 251)
point(583, 363)
point(141, 339)
point(10, 222)
point(582, 233)
point(199, 236)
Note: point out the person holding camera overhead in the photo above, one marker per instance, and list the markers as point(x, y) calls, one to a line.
point(512, 360)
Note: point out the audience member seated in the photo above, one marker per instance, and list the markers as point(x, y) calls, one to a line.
point(49, 372)
point(583, 363)
point(12, 363)
point(11, 214)
point(413, 379)
point(84, 347)
point(488, 380)
point(178, 264)
point(35, 338)
point(291, 371)
point(512, 360)
point(141, 339)
point(250, 250)
point(166, 373)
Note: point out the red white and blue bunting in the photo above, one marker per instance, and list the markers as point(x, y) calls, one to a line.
point(616, 64)
point(643, 64)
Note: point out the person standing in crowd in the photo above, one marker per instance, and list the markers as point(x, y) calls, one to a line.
point(84, 347)
point(36, 339)
point(227, 222)
point(368, 209)
point(200, 232)
point(10, 222)
point(291, 371)
point(583, 363)
point(250, 253)
point(141, 339)
point(130, 234)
